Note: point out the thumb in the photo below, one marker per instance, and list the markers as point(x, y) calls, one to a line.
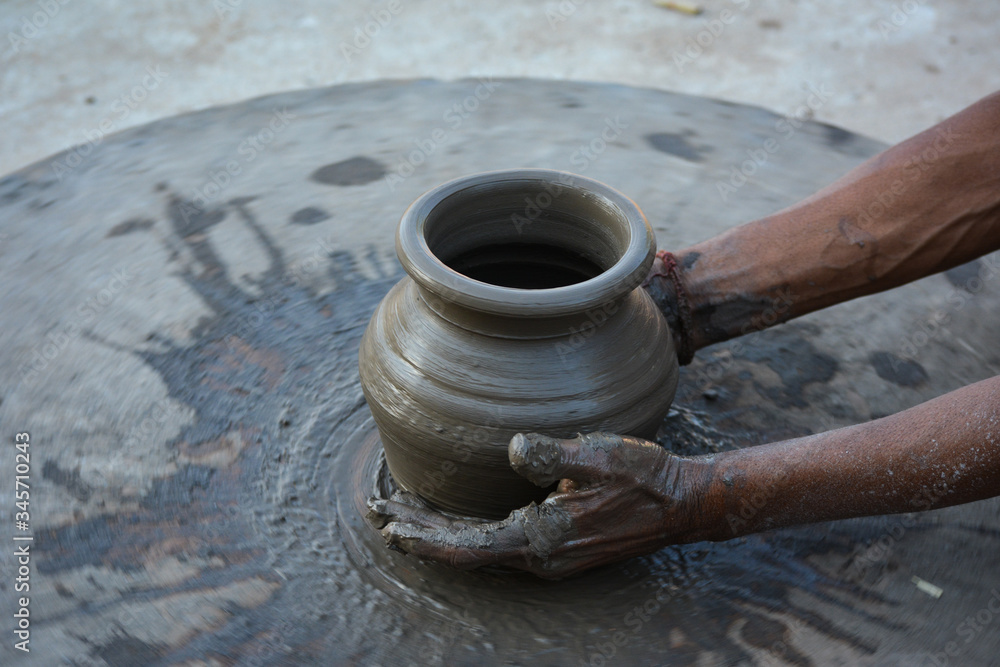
point(544, 460)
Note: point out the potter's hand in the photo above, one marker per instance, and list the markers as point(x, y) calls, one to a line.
point(846, 241)
point(618, 497)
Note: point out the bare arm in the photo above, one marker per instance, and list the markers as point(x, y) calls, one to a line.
point(925, 205)
point(940, 453)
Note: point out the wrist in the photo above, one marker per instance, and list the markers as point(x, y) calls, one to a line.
point(666, 287)
point(695, 510)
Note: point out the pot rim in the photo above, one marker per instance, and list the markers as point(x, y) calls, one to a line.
point(432, 274)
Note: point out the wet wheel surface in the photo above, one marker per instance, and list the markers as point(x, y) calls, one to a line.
point(182, 306)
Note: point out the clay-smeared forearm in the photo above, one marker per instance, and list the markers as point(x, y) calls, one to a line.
point(923, 206)
point(940, 453)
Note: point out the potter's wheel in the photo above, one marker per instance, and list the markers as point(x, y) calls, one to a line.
point(200, 443)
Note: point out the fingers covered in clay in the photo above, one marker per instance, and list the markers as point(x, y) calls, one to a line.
point(544, 460)
point(404, 506)
point(462, 544)
point(587, 458)
point(462, 548)
point(524, 540)
point(618, 496)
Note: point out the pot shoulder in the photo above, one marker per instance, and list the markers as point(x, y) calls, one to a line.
point(613, 368)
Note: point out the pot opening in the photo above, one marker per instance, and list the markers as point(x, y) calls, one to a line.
point(527, 234)
point(525, 266)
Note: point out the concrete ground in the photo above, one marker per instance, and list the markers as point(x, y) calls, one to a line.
point(73, 71)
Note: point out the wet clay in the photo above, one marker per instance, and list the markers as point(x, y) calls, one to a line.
point(511, 324)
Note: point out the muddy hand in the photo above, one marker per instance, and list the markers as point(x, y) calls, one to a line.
point(618, 497)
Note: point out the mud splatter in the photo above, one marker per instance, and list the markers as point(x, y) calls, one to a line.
point(309, 216)
point(68, 479)
point(129, 226)
point(678, 145)
point(899, 371)
point(353, 171)
point(963, 275)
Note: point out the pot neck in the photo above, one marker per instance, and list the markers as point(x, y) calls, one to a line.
point(533, 327)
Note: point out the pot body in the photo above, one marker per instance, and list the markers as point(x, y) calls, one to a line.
point(452, 367)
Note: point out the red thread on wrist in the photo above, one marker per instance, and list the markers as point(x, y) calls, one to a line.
point(685, 353)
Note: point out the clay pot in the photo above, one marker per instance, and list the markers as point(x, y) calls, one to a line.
point(522, 312)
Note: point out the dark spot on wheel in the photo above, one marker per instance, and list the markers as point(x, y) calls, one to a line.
point(895, 369)
point(38, 204)
point(790, 354)
point(677, 145)
point(179, 489)
point(965, 276)
point(12, 188)
point(836, 137)
point(68, 479)
point(129, 226)
point(189, 218)
point(353, 171)
point(309, 216)
point(127, 650)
